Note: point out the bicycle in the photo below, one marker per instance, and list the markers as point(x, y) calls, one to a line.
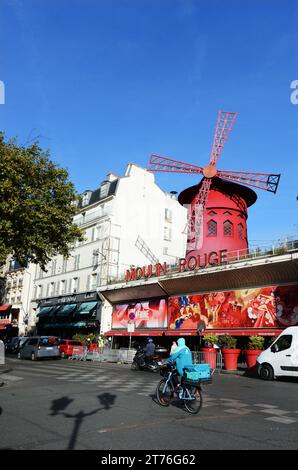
point(190, 392)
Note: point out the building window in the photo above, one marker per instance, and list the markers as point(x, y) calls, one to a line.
point(211, 228)
point(52, 288)
point(62, 286)
point(228, 228)
point(167, 234)
point(64, 265)
point(104, 189)
point(39, 291)
point(93, 281)
point(93, 235)
point(212, 213)
point(86, 198)
point(240, 232)
point(77, 262)
point(75, 285)
point(165, 250)
point(53, 270)
point(227, 213)
point(168, 215)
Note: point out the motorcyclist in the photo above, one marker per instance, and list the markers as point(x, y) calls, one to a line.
point(149, 350)
point(183, 358)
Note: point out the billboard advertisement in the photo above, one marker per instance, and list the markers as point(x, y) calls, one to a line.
point(144, 314)
point(262, 307)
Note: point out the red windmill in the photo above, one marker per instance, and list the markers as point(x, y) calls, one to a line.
point(217, 206)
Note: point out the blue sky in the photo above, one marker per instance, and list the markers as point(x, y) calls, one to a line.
point(107, 82)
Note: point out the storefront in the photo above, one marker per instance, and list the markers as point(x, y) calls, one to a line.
point(9, 318)
point(252, 297)
point(69, 315)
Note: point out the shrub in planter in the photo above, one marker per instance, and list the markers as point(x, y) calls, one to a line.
point(254, 347)
point(227, 342)
point(210, 340)
point(229, 351)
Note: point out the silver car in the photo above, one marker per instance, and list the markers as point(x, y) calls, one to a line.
point(38, 347)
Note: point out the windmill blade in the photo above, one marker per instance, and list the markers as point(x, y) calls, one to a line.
point(144, 248)
point(266, 181)
point(224, 123)
point(196, 217)
point(165, 164)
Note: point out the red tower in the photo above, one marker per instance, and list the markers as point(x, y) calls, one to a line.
point(217, 206)
point(224, 217)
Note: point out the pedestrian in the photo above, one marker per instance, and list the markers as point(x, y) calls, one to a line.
point(173, 347)
point(87, 346)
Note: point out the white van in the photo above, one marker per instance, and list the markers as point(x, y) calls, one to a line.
point(281, 358)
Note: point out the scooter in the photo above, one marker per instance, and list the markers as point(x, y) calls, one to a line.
point(139, 362)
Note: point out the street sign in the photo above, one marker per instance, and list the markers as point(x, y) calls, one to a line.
point(130, 327)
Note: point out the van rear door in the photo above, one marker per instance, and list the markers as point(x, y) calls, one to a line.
point(286, 355)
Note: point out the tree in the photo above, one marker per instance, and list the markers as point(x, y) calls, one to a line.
point(37, 205)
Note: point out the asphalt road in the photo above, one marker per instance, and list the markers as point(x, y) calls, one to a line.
point(84, 405)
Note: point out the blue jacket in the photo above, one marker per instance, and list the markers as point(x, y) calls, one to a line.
point(182, 356)
point(149, 348)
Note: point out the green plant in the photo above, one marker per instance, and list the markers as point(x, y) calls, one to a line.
point(211, 339)
point(228, 342)
point(83, 338)
point(255, 342)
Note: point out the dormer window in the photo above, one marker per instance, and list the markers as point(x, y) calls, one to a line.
point(86, 198)
point(104, 189)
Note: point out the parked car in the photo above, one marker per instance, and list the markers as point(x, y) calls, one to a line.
point(38, 347)
point(281, 358)
point(66, 346)
point(15, 343)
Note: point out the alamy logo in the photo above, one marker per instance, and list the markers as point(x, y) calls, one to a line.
point(2, 93)
point(294, 94)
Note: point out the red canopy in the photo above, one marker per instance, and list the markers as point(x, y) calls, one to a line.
point(148, 332)
point(5, 307)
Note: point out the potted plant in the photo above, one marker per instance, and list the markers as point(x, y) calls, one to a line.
point(209, 349)
point(254, 347)
point(229, 351)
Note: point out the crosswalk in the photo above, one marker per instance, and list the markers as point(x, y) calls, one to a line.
point(101, 376)
point(107, 377)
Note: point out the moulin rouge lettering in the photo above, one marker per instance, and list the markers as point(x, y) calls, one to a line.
point(214, 258)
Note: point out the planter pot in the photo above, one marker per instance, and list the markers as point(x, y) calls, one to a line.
point(230, 358)
point(210, 356)
point(251, 357)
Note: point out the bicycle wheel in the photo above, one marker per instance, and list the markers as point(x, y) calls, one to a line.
point(164, 393)
point(193, 406)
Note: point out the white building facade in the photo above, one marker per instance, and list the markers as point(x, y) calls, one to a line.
point(127, 221)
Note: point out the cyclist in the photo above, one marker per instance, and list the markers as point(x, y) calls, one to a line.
point(183, 358)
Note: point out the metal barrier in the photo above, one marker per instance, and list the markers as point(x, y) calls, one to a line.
point(214, 359)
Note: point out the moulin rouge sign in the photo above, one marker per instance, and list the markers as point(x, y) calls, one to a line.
point(214, 258)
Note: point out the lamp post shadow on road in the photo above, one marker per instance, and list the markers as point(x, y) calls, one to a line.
point(59, 406)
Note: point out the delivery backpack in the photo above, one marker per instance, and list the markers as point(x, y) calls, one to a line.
point(197, 373)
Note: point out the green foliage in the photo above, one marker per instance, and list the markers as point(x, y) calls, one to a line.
point(255, 342)
point(37, 205)
point(211, 338)
point(83, 338)
point(227, 341)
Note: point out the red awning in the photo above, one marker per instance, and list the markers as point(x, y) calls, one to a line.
point(4, 307)
point(136, 333)
point(230, 331)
